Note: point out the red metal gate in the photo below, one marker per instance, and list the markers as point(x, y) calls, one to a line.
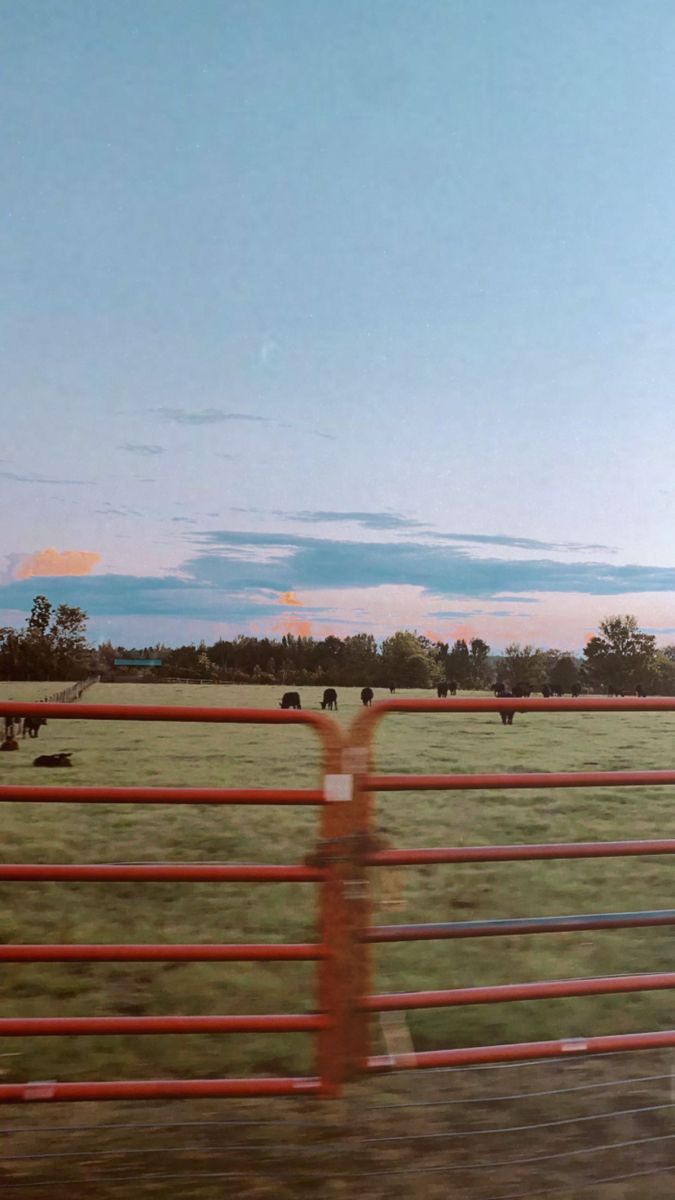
point(345, 999)
point(367, 783)
point(330, 951)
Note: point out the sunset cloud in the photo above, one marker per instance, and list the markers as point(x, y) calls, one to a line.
point(291, 599)
point(57, 562)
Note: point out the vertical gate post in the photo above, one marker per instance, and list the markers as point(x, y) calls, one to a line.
point(334, 970)
point(357, 759)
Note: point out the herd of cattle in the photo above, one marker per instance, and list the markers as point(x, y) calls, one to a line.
point(449, 688)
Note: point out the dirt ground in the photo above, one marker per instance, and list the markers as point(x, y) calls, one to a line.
point(494, 1133)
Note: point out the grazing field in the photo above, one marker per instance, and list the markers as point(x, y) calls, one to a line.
point(123, 753)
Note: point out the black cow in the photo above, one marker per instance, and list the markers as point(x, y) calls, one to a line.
point(614, 691)
point(452, 687)
point(32, 726)
point(392, 687)
point(640, 691)
point(546, 692)
point(52, 760)
point(367, 695)
point(576, 691)
point(504, 693)
point(290, 700)
point(329, 699)
point(442, 691)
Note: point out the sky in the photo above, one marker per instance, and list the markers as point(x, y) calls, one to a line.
point(324, 317)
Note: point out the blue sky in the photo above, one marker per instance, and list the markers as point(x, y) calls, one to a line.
point(336, 316)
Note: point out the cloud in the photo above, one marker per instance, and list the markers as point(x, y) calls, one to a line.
point(447, 570)
point(205, 416)
point(368, 520)
point(520, 543)
point(41, 479)
point(290, 598)
point(141, 448)
point(56, 562)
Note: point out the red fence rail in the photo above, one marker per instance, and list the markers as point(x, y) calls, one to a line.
point(326, 1023)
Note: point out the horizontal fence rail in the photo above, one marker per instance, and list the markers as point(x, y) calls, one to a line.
point(327, 951)
point(501, 927)
point(155, 952)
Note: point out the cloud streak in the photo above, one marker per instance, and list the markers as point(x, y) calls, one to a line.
point(141, 448)
point(15, 477)
point(205, 416)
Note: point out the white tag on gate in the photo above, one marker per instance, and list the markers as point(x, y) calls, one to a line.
point(338, 788)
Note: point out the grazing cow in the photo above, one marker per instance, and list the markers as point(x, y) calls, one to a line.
point(32, 726)
point(546, 692)
point(521, 691)
point(329, 699)
point(614, 691)
point(576, 691)
point(52, 760)
point(442, 691)
point(367, 696)
point(504, 693)
point(290, 700)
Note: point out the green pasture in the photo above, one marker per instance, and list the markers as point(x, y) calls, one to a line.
point(174, 754)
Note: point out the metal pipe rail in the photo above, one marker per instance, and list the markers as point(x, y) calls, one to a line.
point(517, 925)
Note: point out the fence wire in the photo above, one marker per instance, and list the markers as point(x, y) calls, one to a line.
point(389, 1136)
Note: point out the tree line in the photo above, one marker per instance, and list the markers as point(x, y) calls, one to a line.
point(620, 657)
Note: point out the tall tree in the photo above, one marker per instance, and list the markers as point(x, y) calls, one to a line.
point(620, 656)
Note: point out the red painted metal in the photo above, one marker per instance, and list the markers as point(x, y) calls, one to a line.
point(158, 1089)
point(159, 795)
point(327, 1023)
point(282, 952)
point(159, 873)
point(536, 779)
point(165, 712)
point(369, 782)
point(520, 1051)
point(59, 1026)
point(504, 993)
point(519, 852)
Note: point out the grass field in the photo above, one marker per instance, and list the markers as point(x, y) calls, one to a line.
point(120, 753)
point(191, 755)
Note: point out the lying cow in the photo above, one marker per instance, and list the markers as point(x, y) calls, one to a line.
point(52, 760)
point(330, 699)
point(290, 700)
point(367, 695)
point(32, 726)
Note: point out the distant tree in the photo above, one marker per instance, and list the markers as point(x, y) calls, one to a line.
point(407, 661)
point(479, 670)
point(522, 666)
point(52, 645)
point(564, 674)
point(459, 663)
point(620, 656)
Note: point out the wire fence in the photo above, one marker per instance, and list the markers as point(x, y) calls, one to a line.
point(603, 1125)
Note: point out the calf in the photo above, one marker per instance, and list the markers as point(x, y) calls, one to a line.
point(367, 696)
point(52, 760)
point(329, 699)
point(290, 700)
